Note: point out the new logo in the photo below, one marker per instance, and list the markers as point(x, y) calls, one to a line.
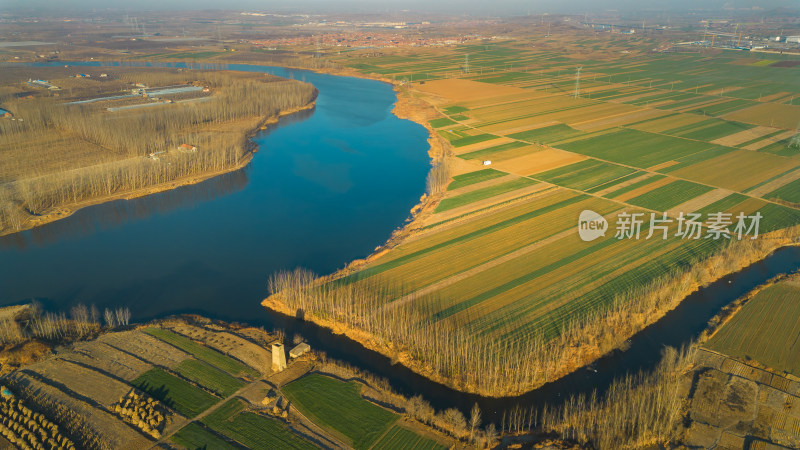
point(591, 225)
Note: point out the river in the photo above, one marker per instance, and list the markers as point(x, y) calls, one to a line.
point(326, 187)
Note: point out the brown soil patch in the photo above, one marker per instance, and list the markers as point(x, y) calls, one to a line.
point(245, 351)
point(85, 382)
point(644, 189)
point(758, 145)
point(663, 165)
point(457, 90)
point(775, 184)
point(146, 347)
point(106, 358)
point(735, 139)
point(547, 159)
point(116, 433)
point(768, 114)
point(699, 202)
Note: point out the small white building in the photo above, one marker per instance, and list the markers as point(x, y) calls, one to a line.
point(299, 350)
point(487, 163)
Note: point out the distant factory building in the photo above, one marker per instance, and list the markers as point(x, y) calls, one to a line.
point(793, 39)
point(300, 350)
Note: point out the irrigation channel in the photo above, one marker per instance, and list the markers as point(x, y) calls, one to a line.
point(326, 187)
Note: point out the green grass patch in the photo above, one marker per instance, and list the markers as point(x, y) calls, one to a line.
point(204, 353)
point(380, 268)
point(584, 174)
point(209, 377)
point(636, 148)
point(467, 140)
point(466, 179)
point(723, 205)
point(338, 405)
point(547, 135)
point(399, 438)
point(634, 186)
point(776, 217)
point(670, 195)
point(253, 430)
point(695, 158)
point(460, 117)
point(442, 122)
point(180, 395)
point(450, 110)
point(789, 192)
point(195, 436)
point(481, 194)
point(615, 182)
point(483, 154)
point(765, 329)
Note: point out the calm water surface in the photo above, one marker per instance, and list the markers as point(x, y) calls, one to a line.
point(327, 186)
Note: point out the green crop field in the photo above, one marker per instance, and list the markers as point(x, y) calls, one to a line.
point(339, 406)
point(636, 148)
point(209, 377)
point(585, 174)
point(178, 394)
point(671, 195)
point(765, 329)
point(195, 436)
point(481, 194)
point(399, 438)
point(204, 353)
point(252, 430)
point(503, 263)
point(443, 122)
point(466, 179)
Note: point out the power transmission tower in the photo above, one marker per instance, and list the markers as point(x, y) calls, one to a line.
point(466, 63)
point(577, 82)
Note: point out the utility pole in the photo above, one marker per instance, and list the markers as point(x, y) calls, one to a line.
point(577, 82)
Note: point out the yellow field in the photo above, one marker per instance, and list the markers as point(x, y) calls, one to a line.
point(737, 170)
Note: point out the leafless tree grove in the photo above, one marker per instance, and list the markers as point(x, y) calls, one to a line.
point(82, 322)
point(217, 127)
point(449, 351)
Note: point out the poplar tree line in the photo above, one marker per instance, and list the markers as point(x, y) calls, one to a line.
point(218, 128)
point(454, 352)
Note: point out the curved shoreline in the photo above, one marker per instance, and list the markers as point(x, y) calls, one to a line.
point(66, 210)
point(404, 110)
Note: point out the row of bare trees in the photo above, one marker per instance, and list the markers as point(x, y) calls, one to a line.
point(449, 351)
point(217, 127)
point(81, 323)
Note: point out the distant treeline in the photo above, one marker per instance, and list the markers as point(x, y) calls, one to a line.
point(217, 127)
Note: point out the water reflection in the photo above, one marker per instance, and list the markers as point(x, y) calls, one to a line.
point(109, 215)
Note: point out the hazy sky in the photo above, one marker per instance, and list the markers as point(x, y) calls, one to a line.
point(497, 7)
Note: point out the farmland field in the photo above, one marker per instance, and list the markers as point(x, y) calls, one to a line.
point(203, 353)
point(339, 406)
point(194, 436)
point(209, 377)
point(765, 329)
point(399, 438)
point(252, 430)
point(178, 394)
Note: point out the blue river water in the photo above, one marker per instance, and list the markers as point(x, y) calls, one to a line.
point(326, 187)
